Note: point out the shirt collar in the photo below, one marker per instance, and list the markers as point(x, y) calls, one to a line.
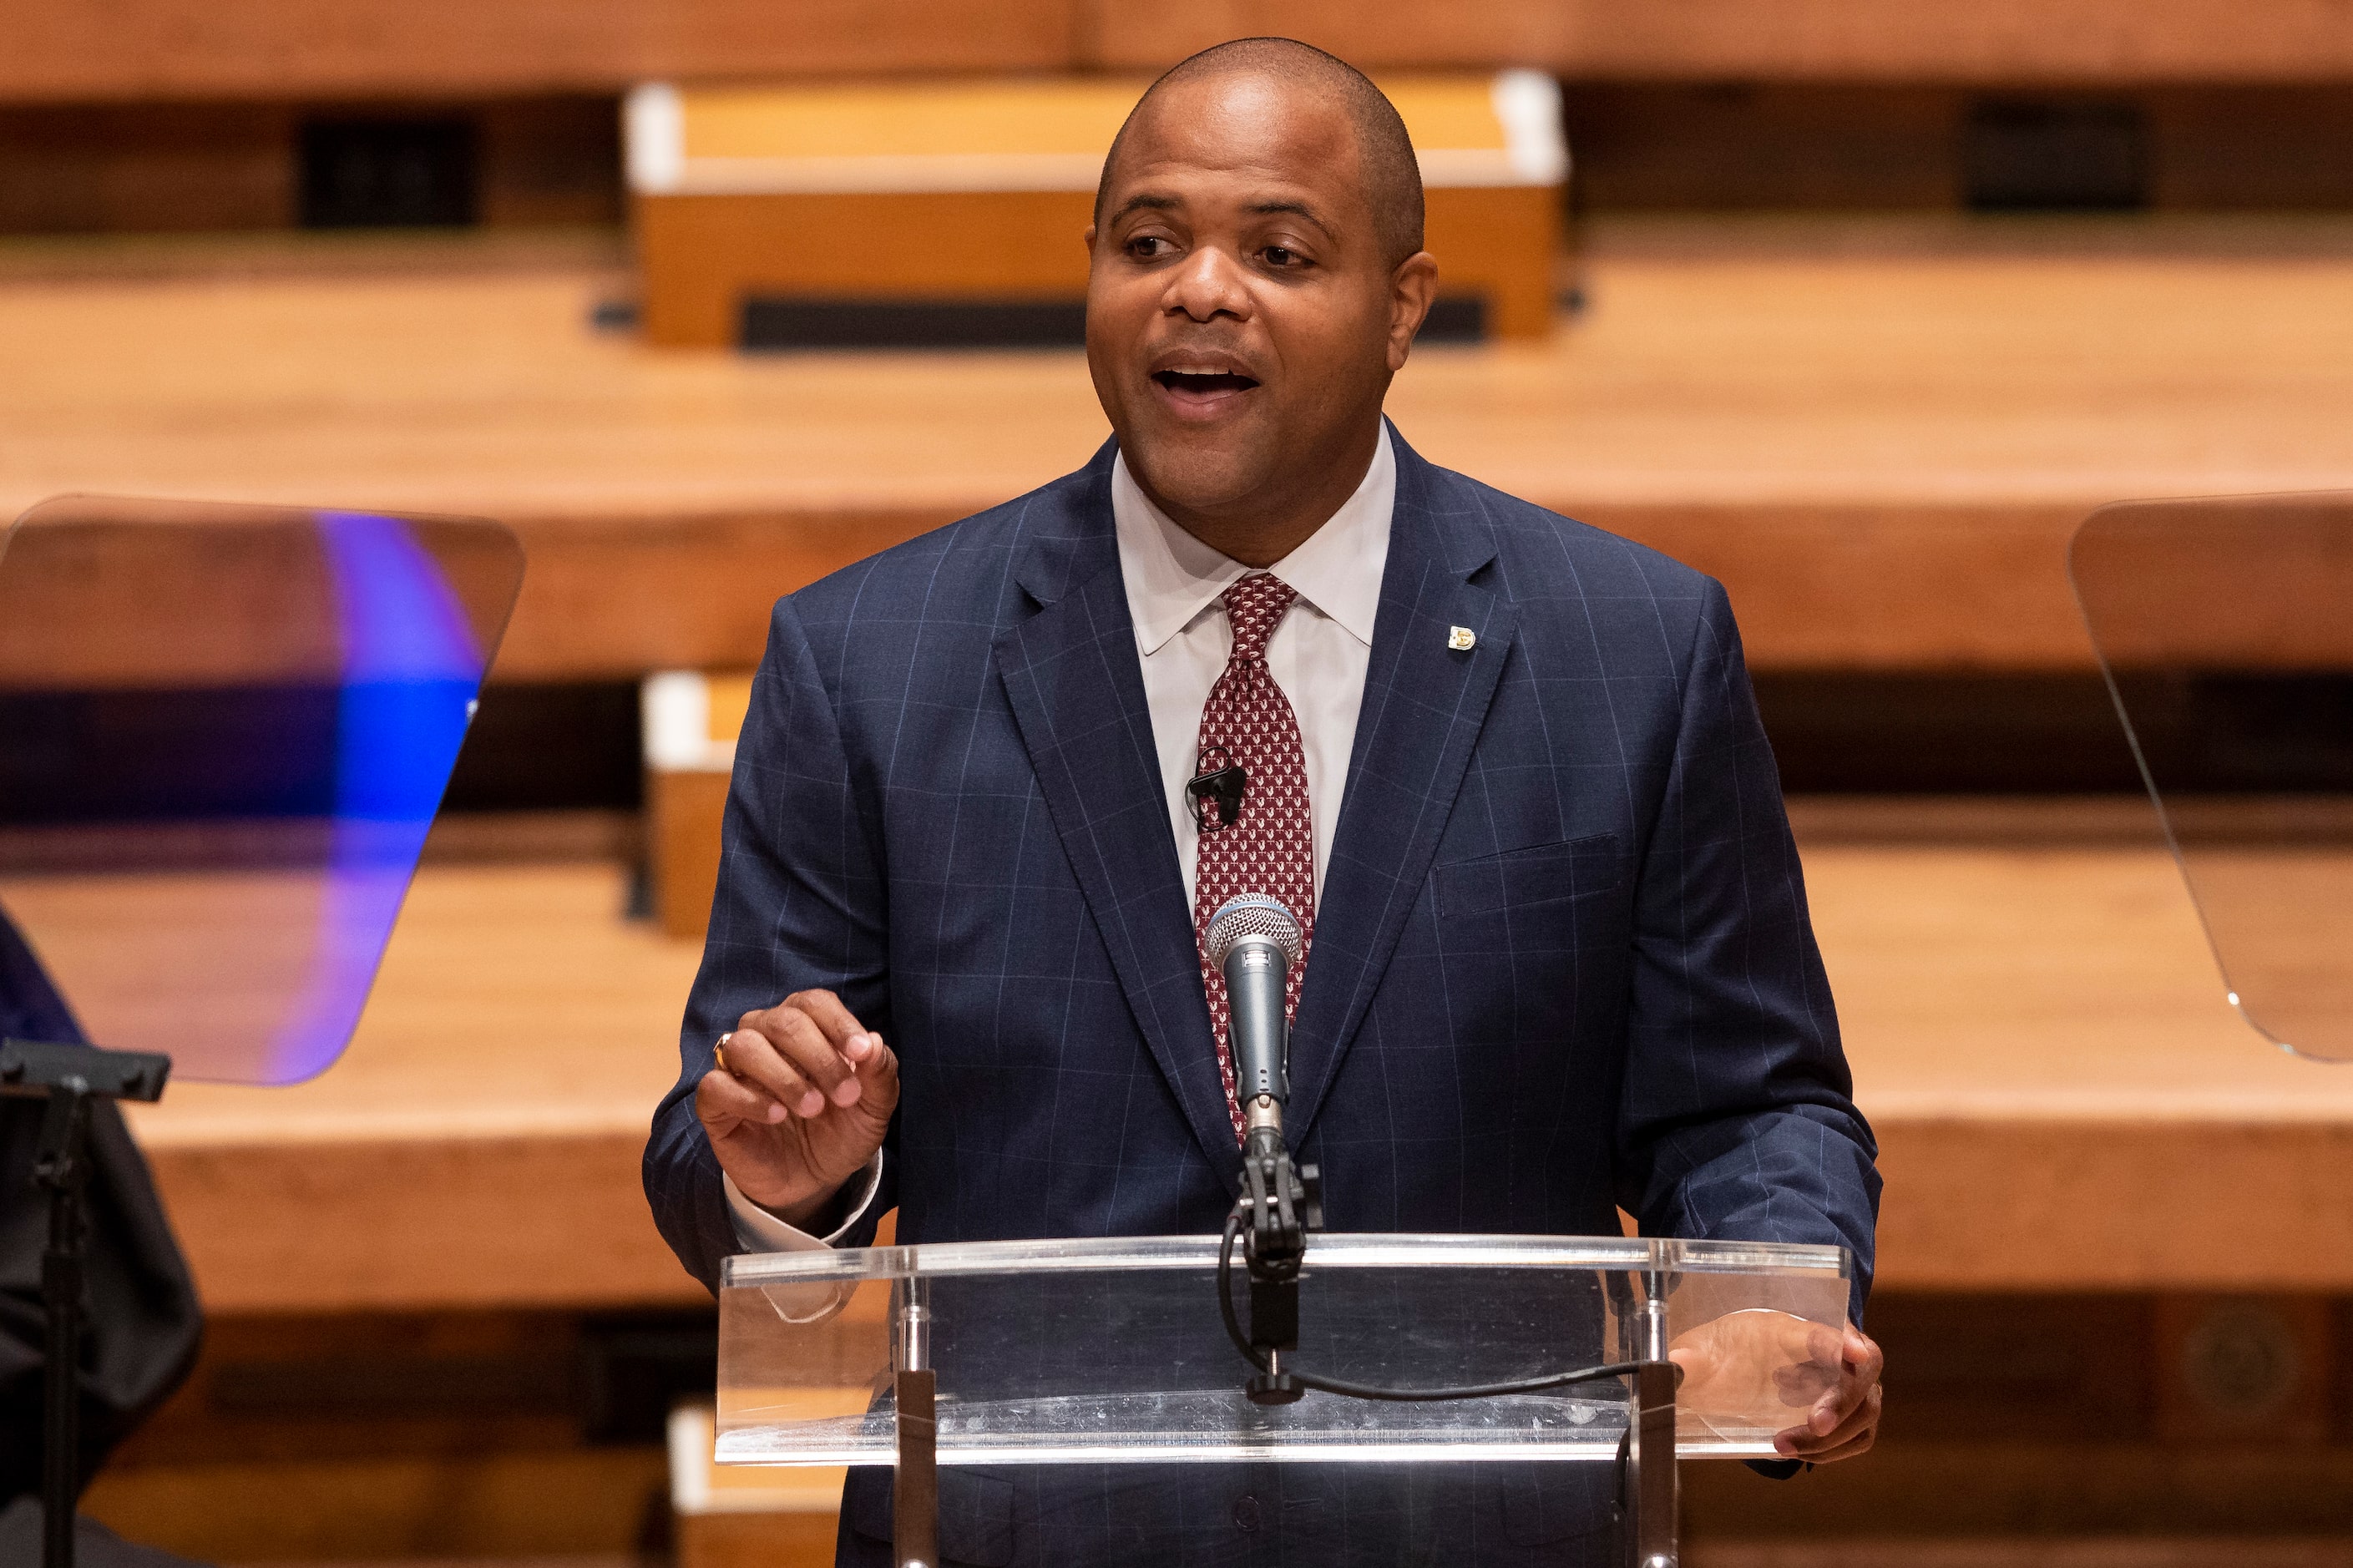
point(1171, 577)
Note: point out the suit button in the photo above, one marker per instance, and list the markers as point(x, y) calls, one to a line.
point(1246, 1512)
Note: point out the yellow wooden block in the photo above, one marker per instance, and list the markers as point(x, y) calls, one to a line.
point(802, 125)
point(835, 192)
point(736, 1516)
point(729, 698)
point(690, 721)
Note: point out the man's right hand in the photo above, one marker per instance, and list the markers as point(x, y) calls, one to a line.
point(801, 1105)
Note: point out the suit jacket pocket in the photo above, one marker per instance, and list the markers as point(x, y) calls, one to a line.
point(1521, 880)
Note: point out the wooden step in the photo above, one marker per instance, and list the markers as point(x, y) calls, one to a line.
point(1879, 437)
point(2065, 1102)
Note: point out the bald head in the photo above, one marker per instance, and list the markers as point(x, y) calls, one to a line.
point(1390, 174)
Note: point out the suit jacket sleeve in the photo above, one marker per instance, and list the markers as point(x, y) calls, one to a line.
point(800, 905)
point(1736, 1120)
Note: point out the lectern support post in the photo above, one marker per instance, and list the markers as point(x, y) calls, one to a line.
point(68, 1077)
point(1651, 1500)
point(915, 1488)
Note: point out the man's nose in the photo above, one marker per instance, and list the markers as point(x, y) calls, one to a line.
point(1211, 283)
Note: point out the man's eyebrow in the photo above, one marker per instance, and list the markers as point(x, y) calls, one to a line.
point(1302, 208)
point(1146, 202)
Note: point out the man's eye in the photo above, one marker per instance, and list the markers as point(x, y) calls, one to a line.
point(1281, 256)
point(1147, 246)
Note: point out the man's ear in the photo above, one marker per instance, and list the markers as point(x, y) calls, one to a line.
point(1412, 288)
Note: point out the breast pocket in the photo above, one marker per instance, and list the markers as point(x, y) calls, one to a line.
point(1536, 881)
point(1530, 941)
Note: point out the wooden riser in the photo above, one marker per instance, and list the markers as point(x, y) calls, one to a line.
point(526, 1505)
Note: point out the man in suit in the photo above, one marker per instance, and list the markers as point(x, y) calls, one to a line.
point(1505, 768)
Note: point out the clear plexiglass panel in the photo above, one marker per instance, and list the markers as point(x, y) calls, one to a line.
point(2224, 630)
point(1062, 1352)
point(224, 732)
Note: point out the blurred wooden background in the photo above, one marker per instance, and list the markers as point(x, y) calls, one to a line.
point(1864, 306)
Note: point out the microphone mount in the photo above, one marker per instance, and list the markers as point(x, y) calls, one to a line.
point(1280, 1203)
point(1255, 942)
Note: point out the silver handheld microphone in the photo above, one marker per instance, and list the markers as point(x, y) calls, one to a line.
point(1254, 940)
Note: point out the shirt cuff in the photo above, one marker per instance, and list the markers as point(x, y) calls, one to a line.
point(757, 1230)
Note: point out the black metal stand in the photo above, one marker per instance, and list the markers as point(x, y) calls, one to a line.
point(68, 1077)
point(1280, 1204)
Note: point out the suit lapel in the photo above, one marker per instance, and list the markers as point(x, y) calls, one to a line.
point(1424, 704)
point(1076, 684)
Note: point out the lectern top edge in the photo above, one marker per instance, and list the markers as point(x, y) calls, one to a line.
point(1369, 1250)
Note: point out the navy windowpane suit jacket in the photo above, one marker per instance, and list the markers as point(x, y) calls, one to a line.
point(1562, 959)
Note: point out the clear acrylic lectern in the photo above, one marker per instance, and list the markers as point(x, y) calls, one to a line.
point(1040, 1352)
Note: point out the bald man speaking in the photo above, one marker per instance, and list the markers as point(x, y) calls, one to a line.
point(1505, 768)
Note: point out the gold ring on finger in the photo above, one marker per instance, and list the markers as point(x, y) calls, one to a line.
point(719, 1053)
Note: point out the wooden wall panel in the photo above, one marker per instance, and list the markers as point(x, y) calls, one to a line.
point(1990, 41)
point(1783, 40)
point(60, 50)
point(614, 598)
point(1956, 587)
point(410, 1223)
point(1953, 586)
point(1648, 146)
point(1143, 34)
point(155, 168)
point(2109, 1203)
point(512, 1503)
point(63, 50)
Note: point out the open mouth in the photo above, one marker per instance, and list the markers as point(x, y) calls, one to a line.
point(1203, 384)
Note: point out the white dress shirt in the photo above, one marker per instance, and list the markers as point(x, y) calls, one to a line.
point(1319, 655)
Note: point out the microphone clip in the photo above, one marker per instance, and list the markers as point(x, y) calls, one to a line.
point(1215, 790)
point(1280, 1203)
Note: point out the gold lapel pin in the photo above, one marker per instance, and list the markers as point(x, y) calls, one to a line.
point(1461, 638)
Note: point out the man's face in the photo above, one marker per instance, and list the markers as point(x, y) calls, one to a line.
point(1241, 316)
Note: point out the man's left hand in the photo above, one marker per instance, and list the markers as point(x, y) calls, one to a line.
point(1845, 1419)
point(1741, 1370)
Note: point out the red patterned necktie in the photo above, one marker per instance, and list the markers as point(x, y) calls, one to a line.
point(1269, 846)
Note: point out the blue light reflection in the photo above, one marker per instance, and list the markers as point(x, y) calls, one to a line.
point(411, 668)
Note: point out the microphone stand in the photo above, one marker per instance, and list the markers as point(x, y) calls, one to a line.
point(1254, 940)
point(68, 1077)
